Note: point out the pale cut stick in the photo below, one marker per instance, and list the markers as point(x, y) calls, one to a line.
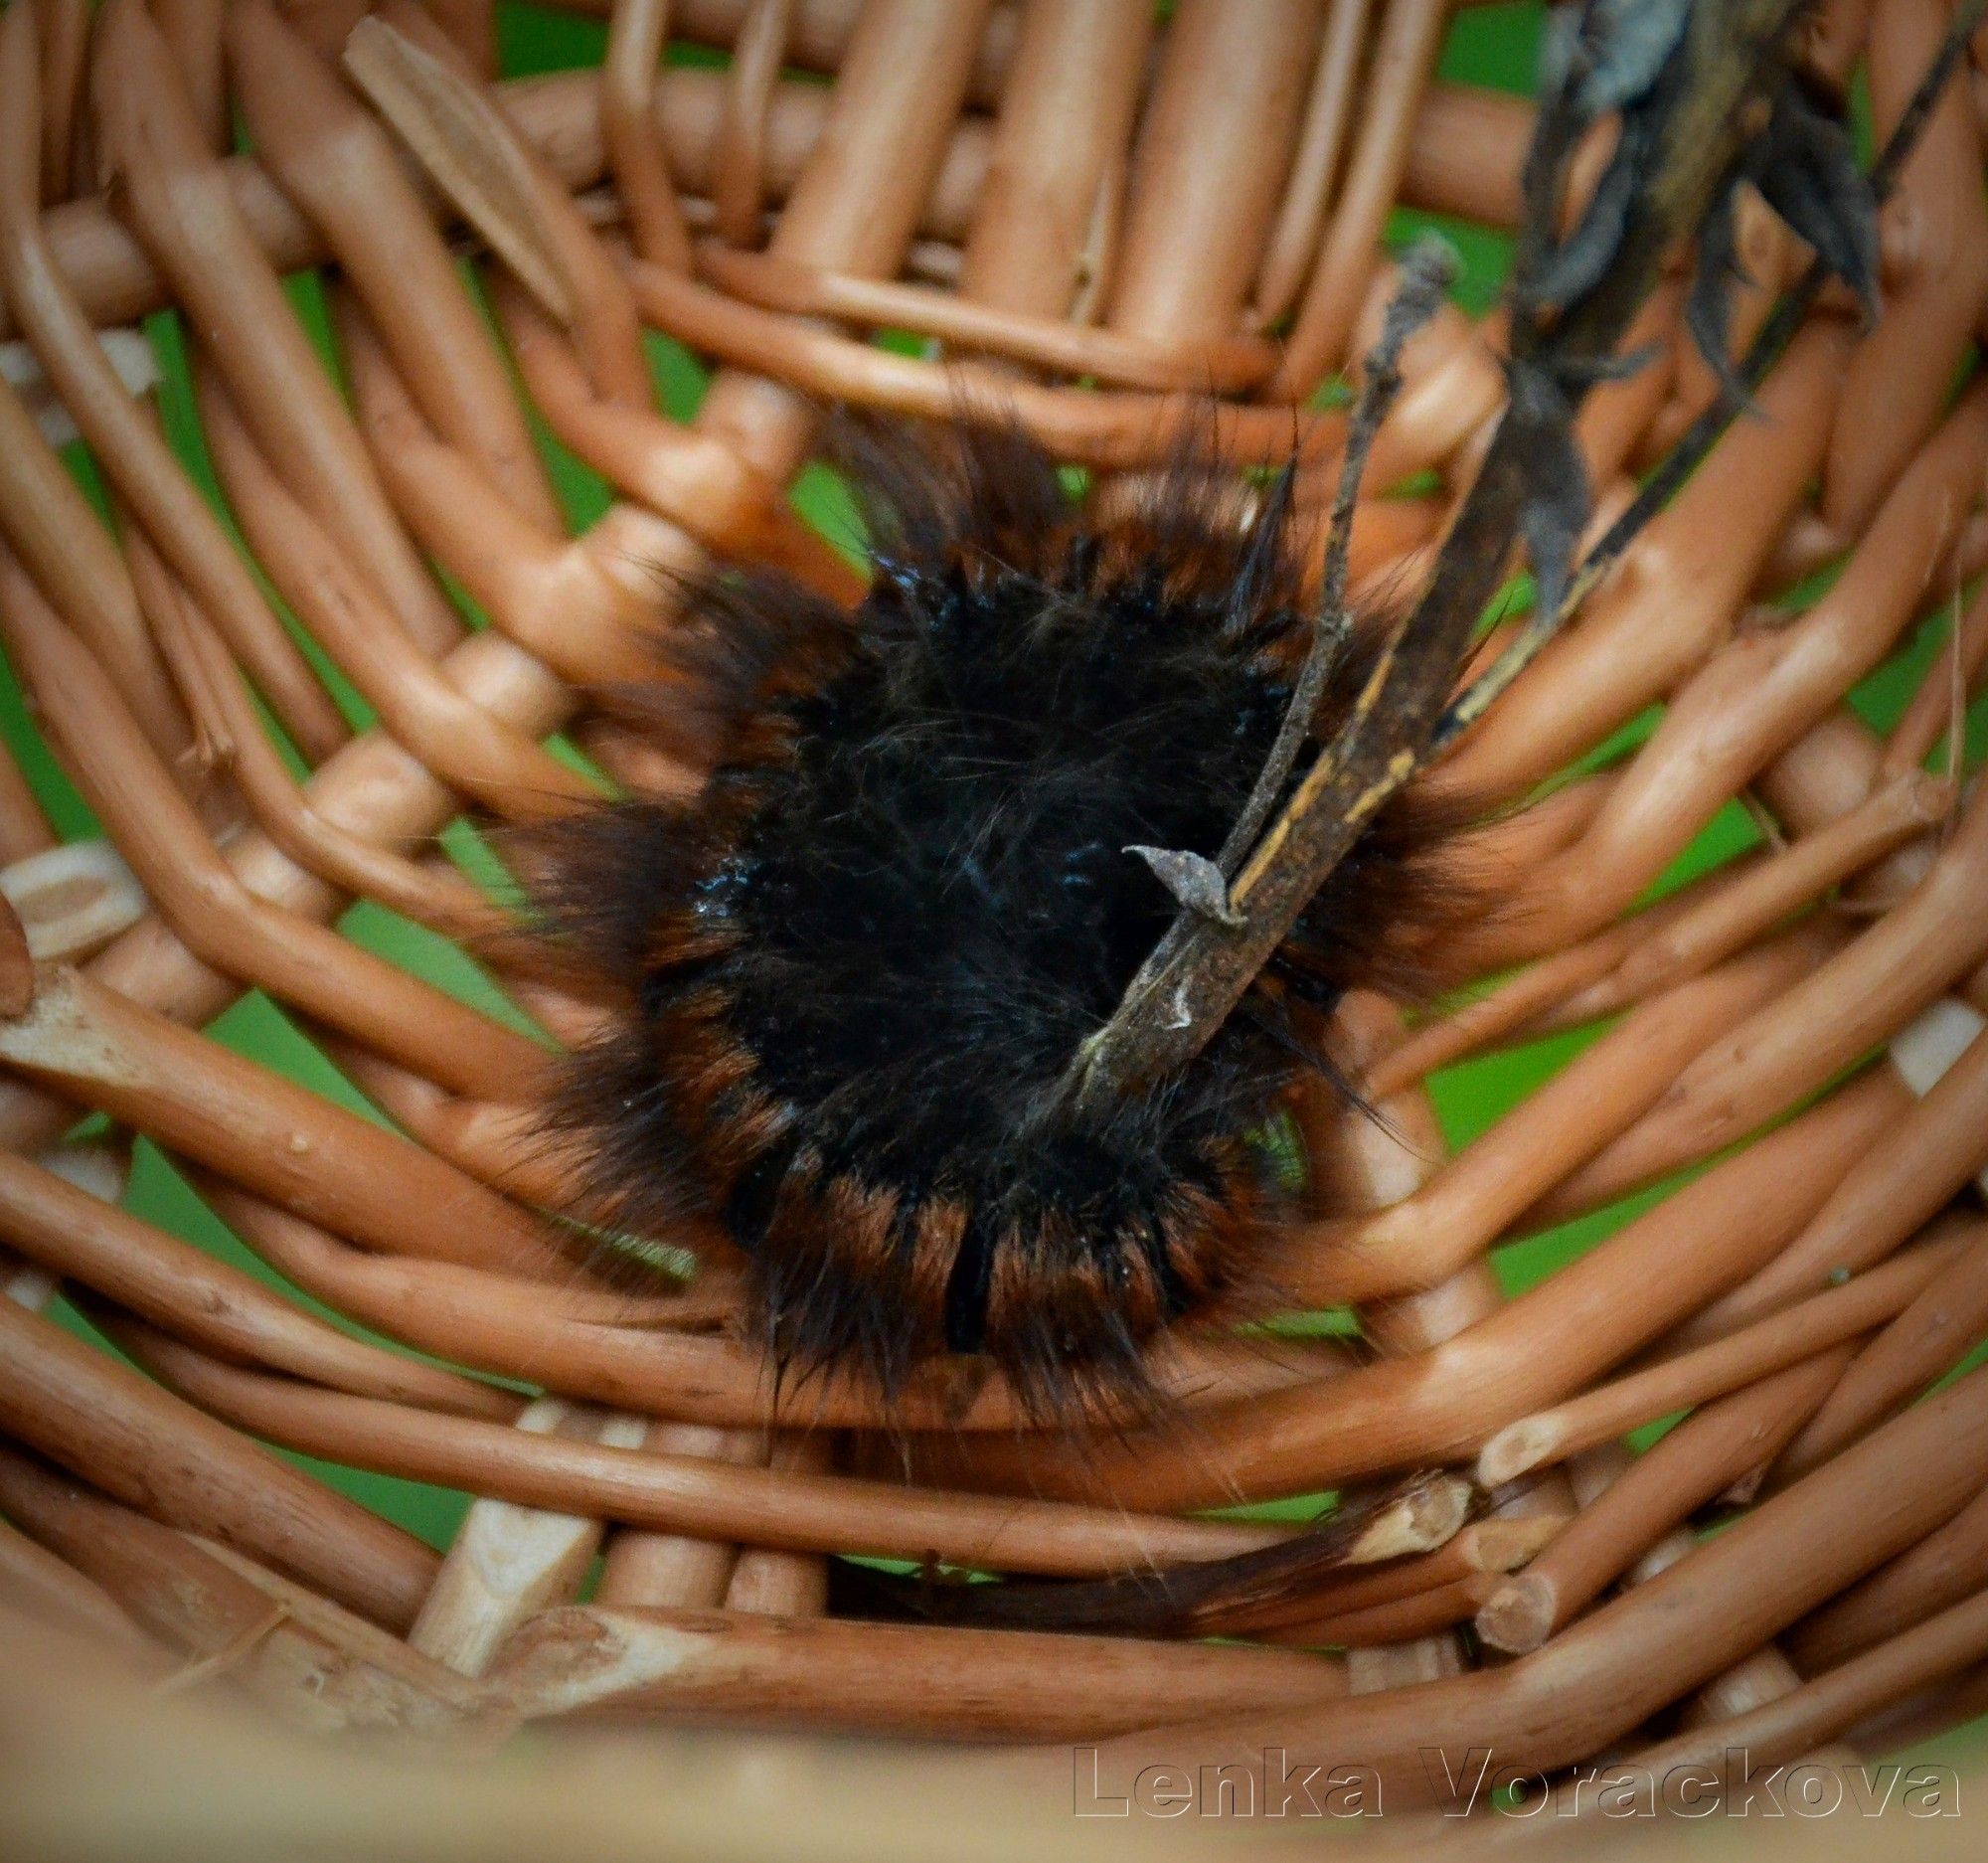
point(506, 1563)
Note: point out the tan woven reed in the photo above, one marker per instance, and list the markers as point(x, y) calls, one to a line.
point(1088, 213)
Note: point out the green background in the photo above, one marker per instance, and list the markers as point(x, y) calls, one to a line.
point(1491, 45)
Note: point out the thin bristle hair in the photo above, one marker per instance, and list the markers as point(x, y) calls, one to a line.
point(852, 967)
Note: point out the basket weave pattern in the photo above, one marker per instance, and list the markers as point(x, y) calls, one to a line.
point(1095, 217)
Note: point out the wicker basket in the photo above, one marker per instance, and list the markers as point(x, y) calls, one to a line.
point(1094, 215)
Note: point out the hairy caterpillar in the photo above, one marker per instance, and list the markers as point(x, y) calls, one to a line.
point(852, 968)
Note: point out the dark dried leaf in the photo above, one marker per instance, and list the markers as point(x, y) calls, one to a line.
point(1557, 500)
point(1608, 53)
point(1195, 881)
point(1585, 373)
point(1575, 266)
point(1805, 167)
point(1688, 81)
point(1707, 312)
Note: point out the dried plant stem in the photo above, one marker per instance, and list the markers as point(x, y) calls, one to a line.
point(1863, 994)
point(1605, 1673)
point(686, 1495)
point(636, 157)
point(181, 209)
point(1948, 1318)
point(1859, 1305)
point(1948, 1565)
point(1491, 1185)
point(882, 1679)
point(1687, 1467)
point(1764, 257)
point(297, 1654)
point(150, 1449)
point(1932, 73)
point(335, 161)
point(1425, 274)
point(1407, 39)
point(1452, 386)
point(1203, 966)
point(228, 925)
point(671, 1569)
point(182, 1288)
point(1751, 702)
point(249, 1124)
point(1673, 599)
point(1233, 1596)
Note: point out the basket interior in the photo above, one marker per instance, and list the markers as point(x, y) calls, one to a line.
point(1485, 52)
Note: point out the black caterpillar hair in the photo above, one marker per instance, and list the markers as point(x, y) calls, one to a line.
point(854, 967)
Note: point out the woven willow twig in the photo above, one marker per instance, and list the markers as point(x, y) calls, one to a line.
point(1083, 209)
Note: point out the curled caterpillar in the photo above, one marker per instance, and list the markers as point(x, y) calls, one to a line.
point(852, 967)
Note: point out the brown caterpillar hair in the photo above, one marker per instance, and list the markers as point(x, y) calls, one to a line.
point(855, 965)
